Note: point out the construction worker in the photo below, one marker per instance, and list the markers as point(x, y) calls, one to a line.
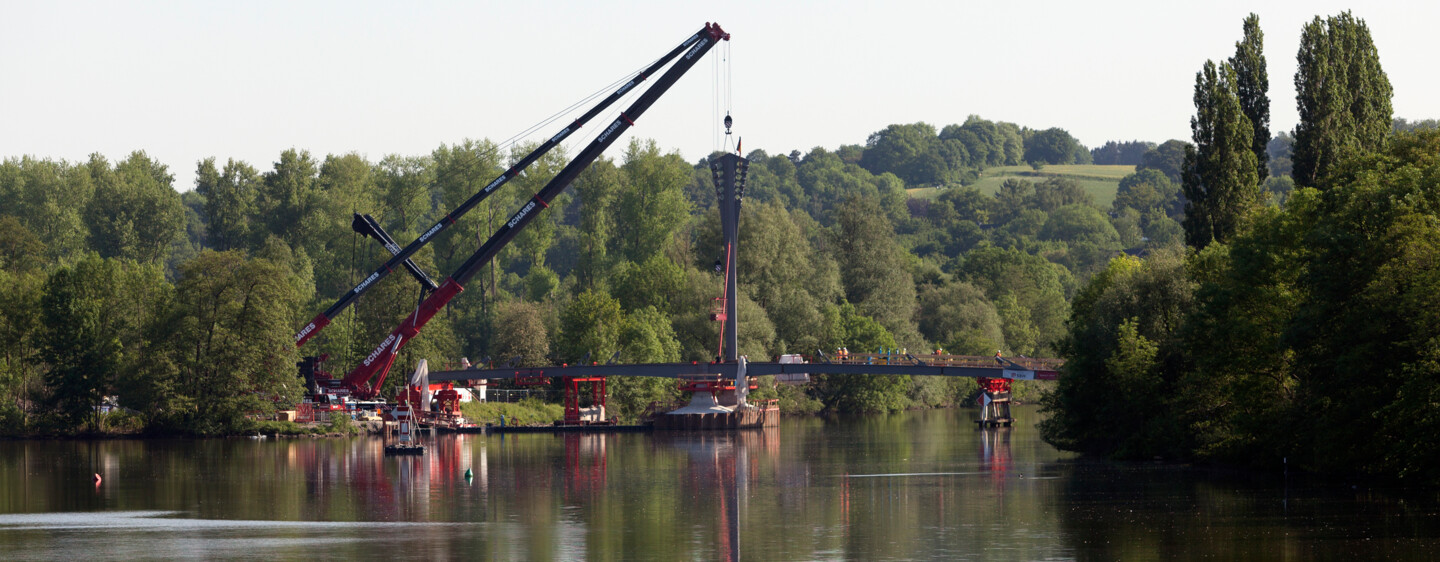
point(998, 358)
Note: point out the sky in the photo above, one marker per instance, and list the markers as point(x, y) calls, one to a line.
point(184, 81)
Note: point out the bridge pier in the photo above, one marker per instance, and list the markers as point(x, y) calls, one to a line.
point(994, 403)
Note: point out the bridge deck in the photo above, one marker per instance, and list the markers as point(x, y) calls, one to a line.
point(855, 364)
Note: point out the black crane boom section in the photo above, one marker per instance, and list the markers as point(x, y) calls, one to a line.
point(363, 380)
point(398, 260)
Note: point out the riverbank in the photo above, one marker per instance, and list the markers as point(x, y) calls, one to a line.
point(531, 413)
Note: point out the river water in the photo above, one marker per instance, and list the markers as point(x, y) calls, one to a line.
point(917, 485)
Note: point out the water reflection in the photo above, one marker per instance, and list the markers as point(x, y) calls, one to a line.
point(918, 485)
point(718, 474)
point(585, 463)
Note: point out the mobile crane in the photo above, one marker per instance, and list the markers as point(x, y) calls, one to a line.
point(402, 257)
point(366, 380)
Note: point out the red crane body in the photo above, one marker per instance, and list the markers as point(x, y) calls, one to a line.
point(366, 380)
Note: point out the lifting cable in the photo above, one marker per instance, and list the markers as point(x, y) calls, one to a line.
point(504, 146)
point(721, 96)
point(571, 141)
point(716, 143)
point(729, 91)
point(471, 158)
point(604, 90)
point(615, 111)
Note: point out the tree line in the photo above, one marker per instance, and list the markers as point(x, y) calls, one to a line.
point(1295, 330)
point(177, 303)
point(957, 154)
point(181, 305)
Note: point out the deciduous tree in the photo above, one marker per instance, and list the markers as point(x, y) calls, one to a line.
point(589, 326)
point(20, 249)
point(1168, 158)
point(92, 317)
point(1051, 146)
point(1343, 96)
point(229, 202)
point(1220, 184)
point(523, 334)
point(650, 205)
point(136, 212)
point(230, 339)
point(596, 188)
point(873, 268)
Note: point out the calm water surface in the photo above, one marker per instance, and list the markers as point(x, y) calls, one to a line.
point(918, 485)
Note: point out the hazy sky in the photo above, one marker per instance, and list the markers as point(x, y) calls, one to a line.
point(247, 80)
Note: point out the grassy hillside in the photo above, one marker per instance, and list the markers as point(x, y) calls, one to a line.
point(1100, 181)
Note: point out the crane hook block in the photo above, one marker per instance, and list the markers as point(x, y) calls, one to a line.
point(715, 32)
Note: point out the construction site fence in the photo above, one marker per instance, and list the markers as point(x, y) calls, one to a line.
point(499, 395)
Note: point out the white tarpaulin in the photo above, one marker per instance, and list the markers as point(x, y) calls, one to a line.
point(1018, 375)
point(792, 378)
point(742, 383)
point(421, 378)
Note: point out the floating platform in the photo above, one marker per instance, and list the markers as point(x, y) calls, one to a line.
point(704, 413)
point(995, 422)
point(396, 449)
point(754, 418)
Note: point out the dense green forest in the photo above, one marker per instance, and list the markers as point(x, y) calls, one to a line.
point(1298, 326)
point(180, 303)
point(1245, 297)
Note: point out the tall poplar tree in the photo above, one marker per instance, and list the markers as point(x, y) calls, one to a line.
point(1219, 180)
point(1252, 85)
point(1343, 96)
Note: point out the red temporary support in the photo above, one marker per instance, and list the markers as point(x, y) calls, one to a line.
point(572, 397)
point(702, 385)
point(448, 399)
point(994, 386)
